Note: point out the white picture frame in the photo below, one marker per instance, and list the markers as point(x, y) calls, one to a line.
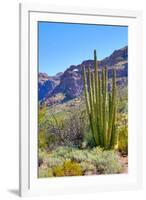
point(29, 184)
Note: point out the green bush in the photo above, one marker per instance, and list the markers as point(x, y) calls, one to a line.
point(58, 170)
point(108, 163)
point(45, 172)
point(122, 127)
point(51, 141)
point(78, 155)
point(72, 168)
point(62, 152)
point(42, 140)
point(54, 161)
point(68, 131)
point(42, 153)
point(50, 172)
point(88, 168)
point(122, 97)
point(89, 140)
point(123, 140)
point(69, 168)
point(57, 130)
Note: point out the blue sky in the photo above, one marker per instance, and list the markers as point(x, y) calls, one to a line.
point(62, 44)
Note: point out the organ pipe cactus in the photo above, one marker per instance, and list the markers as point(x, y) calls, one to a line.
point(101, 104)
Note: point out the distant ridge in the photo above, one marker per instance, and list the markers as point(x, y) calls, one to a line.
point(70, 82)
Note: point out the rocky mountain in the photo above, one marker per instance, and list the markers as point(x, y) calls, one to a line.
point(47, 84)
point(70, 83)
point(117, 56)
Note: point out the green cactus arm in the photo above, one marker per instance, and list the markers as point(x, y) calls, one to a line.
point(96, 107)
point(114, 135)
point(87, 101)
point(103, 80)
point(104, 104)
point(90, 91)
point(91, 100)
point(100, 110)
point(113, 103)
point(93, 90)
point(95, 110)
point(109, 103)
point(97, 97)
point(86, 92)
point(96, 79)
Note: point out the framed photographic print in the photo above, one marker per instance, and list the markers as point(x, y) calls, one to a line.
point(80, 100)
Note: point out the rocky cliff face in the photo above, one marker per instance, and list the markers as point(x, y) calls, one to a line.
point(46, 85)
point(70, 83)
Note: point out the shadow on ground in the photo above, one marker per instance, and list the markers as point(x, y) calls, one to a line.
point(14, 191)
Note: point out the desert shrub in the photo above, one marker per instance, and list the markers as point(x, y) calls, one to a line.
point(49, 158)
point(78, 155)
point(45, 172)
point(89, 140)
point(68, 168)
point(72, 168)
point(122, 120)
point(75, 127)
point(123, 140)
point(51, 141)
point(108, 163)
point(58, 170)
point(42, 117)
point(68, 131)
point(122, 100)
point(42, 140)
point(50, 172)
point(56, 129)
point(123, 106)
point(88, 168)
point(40, 157)
point(63, 152)
point(122, 127)
point(54, 161)
point(73, 154)
point(42, 154)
